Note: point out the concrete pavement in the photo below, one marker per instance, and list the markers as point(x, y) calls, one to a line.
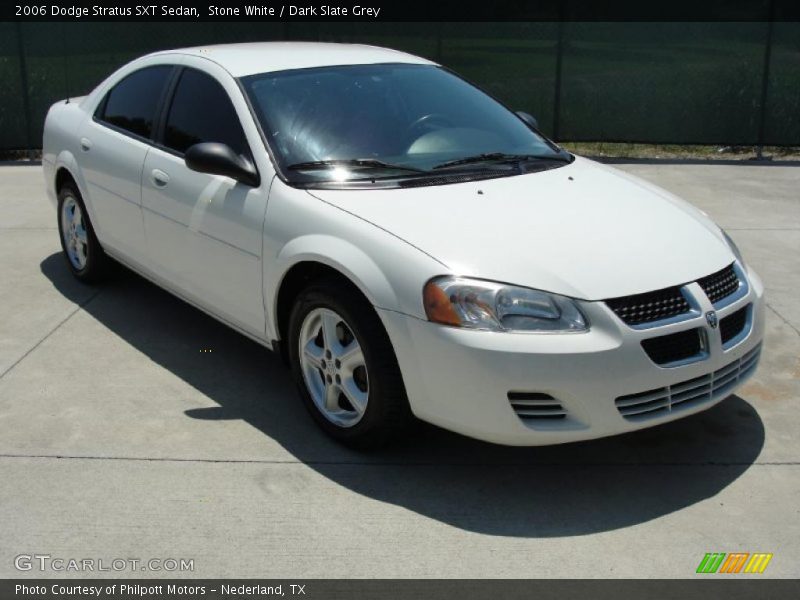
point(120, 438)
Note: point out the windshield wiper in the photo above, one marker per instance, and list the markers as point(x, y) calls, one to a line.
point(498, 157)
point(369, 163)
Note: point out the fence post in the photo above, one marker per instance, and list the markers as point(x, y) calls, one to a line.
point(557, 93)
point(26, 101)
point(439, 28)
point(64, 55)
point(765, 83)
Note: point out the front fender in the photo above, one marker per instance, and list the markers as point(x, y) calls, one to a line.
point(341, 255)
point(299, 227)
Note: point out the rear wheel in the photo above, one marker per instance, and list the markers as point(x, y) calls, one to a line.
point(83, 252)
point(345, 368)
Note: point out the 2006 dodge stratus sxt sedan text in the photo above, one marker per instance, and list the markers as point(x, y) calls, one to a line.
point(410, 245)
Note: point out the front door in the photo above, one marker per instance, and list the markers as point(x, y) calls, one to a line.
point(204, 232)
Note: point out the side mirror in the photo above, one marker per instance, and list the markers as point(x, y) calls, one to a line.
point(528, 118)
point(219, 159)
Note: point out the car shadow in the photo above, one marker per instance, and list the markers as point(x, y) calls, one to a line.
point(567, 490)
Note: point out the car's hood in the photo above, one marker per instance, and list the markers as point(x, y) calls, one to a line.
point(584, 230)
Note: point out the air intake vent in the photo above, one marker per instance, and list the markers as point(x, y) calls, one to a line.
point(673, 347)
point(650, 306)
point(536, 406)
point(733, 324)
point(454, 178)
point(687, 394)
point(720, 285)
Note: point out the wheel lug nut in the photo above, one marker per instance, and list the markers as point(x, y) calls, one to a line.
point(338, 379)
point(328, 378)
point(324, 365)
point(327, 353)
point(338, 363)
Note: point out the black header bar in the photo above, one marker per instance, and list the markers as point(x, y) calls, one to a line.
point(407, 11)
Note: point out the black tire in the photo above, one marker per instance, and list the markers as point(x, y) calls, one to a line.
point(387, 415)
point(97, 262)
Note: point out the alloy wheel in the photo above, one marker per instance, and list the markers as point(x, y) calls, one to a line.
point(333, 366)
point(73, 231)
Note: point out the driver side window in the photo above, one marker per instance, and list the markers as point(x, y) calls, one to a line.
point(201, 111)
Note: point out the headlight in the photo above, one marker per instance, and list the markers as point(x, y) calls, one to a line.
point(477, 304)
point(733, 246)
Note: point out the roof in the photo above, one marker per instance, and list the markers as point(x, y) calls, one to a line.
point(260, 57)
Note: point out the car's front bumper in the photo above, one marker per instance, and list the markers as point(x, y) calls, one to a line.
point(461, 379)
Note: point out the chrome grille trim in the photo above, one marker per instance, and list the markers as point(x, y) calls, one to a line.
point(659, 402)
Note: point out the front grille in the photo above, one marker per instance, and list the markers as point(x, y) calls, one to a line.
point(673, 347)
point(650, 306)
point(733, 324)
point(720, 285)
point(687, 394)
point(536, 406)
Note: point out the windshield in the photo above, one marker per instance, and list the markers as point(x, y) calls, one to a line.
point(388, 121)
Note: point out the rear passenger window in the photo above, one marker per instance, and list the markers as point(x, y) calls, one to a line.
point(201, 111)
point(131, 104)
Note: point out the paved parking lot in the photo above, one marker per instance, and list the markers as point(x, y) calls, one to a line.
point(120, 438)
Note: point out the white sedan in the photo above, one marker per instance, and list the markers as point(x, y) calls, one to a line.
point(409, 244)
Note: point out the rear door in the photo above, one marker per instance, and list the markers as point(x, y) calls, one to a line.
point(204, 232)
point(113, 146)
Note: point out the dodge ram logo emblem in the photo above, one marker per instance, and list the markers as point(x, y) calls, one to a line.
point(711, 317)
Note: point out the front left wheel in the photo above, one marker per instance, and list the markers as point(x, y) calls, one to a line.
point(345, 368)
point(85, 257)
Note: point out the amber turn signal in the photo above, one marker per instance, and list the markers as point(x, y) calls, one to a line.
point(437, 305)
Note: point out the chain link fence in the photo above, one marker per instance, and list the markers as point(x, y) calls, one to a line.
point(661, 83)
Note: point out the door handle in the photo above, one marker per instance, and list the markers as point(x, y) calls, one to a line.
point(86, 144)
point(159, 177)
